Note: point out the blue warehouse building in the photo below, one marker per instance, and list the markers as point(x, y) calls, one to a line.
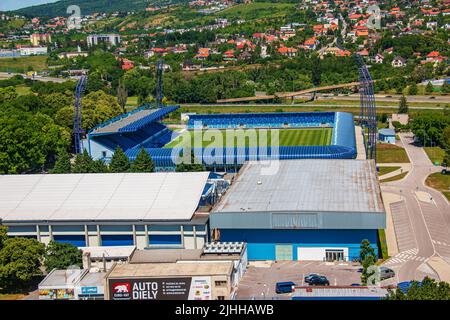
point(302, 209)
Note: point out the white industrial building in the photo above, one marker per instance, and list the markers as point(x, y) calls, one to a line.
point(146, 210)
point(33, 51)
point(109, 39)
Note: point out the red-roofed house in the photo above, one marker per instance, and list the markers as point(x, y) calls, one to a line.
point(287, 52)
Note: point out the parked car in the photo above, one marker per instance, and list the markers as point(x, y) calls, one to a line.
point(319, 281)
point(309, 276)
point(386, 273)
point(284, 287)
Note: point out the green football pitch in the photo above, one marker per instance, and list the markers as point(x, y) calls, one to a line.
point(253, 138)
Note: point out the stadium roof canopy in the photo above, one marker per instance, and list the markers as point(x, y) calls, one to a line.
point(163, 196)
point(133, 120)
point(322, 185)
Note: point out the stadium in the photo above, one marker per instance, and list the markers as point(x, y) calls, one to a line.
point(224, 142)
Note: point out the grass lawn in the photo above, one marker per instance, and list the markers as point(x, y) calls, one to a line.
point(257, 10)
point(287, 137)
point(436, 154)
point(395, 178)
point(22, 65)
point(383, 244)
point(385, 170)
point(132, 101)
point(390, 153)
point(23, 90)
point(440, 182)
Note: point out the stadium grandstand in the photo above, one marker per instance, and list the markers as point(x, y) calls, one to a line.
point(132, 130)
point(141, 128)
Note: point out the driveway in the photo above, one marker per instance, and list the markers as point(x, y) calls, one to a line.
point(421, 219)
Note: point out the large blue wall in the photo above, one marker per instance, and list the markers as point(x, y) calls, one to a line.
point(261, 242)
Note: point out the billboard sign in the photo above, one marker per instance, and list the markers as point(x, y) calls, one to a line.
point(89, 290)
point(196, 288)
point(57, 294)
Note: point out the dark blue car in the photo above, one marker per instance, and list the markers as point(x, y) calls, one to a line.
point(284, 287)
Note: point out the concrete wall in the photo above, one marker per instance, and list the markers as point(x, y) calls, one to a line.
point(262, 244)
point(96, 150)
point(140, 235)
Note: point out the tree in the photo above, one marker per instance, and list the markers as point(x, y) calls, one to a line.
point(7, 94)
point(29, 142)
point(316, 71)
point(143, 162)
point(403, 105)
point(119, 161)
point(83, 163)
point(367, 258)
point(192, 165)
point(3, 235)
point(122, 95)
point(61, 256)
point(367, 271)
point(62, 164)
point(430, 127)
point(365, 250)
point(429, 88)
point(412, 90)
point(446, 159)
point(428, 289)
point(20, 261)
point(99, 166)
point(445, 87)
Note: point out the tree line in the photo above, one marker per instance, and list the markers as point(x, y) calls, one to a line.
point(23, 261)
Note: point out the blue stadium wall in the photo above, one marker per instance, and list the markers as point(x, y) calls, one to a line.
point(343, 146)
point(261, 243)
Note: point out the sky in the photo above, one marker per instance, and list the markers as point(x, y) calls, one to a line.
point(6, 5)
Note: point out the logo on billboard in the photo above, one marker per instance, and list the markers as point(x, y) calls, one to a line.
point(121, 290)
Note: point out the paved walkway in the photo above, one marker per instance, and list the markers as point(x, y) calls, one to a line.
point(404, 167)
point(421, 223)
point(360, 147)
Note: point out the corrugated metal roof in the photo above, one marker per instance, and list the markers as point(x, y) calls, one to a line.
point(171, 269)
point(322, 185)
point(340, 292)
point(112, 196)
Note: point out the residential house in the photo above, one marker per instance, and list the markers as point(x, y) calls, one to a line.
point(287, 52)
point(398, 62)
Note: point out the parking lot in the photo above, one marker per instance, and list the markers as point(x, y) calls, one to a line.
point(260, 279)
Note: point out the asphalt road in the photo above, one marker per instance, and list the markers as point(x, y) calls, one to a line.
point(421, 220)
point(388, 98)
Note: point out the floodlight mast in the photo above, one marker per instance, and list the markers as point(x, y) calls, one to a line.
point(77, 114)
point(368, 114)
point(159, 83)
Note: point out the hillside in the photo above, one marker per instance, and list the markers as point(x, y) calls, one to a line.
point(91, 6)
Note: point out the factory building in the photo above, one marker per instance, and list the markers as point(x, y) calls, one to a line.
point(302, 209)
point(108, 39)
point(146, 210)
